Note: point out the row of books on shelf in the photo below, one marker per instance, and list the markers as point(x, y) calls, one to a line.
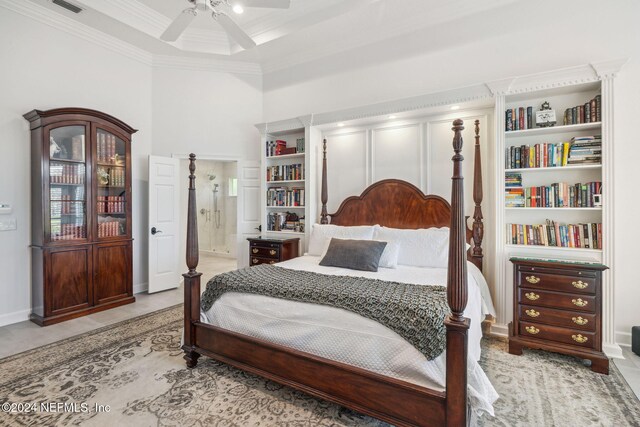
point(66, 174)
point(68, 231)
point(282, 196)
point(579, 151)
point(556, 195)
point(277, 221)
point(107, 150)
point(285, 172)
point(67, 193)
point(519, 119)
point(111, 204)
point(553, 234)
point(279, 147)
point(588, 113)
point(66, 206)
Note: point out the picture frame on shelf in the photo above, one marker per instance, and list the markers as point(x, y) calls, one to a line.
point(545, 117)
point(597, 200)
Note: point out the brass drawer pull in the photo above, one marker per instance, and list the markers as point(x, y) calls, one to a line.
point(532, 279)
point(579, 284)
point(580, 302)
point(254, 260)
point(532, 296)
point(272, 252)
point(532, 313)
point(579, 338)
point(255, 251)
point(580, 320)
point(532, 330)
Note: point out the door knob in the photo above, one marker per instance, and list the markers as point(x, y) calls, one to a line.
point(154, 231)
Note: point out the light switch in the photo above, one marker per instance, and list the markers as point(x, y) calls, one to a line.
point(5, 208)
point(8, 224)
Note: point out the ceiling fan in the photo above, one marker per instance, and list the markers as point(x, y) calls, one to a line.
point(184, 19)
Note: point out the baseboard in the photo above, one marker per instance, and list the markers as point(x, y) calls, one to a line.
point(15, 317)
point(623, 338)
point(500, 330)
point(140, 288)
point(613, 351)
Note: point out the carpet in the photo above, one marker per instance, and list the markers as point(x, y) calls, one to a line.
point(132, 374)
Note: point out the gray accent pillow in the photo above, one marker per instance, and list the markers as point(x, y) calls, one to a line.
point(361, 255)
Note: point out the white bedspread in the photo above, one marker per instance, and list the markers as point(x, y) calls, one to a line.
point(347, 337)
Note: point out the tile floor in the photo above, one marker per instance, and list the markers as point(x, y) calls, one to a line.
point(26, 335)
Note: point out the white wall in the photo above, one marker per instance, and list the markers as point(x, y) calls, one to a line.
point(45, 68)
point(186, 111)
point(519, 39)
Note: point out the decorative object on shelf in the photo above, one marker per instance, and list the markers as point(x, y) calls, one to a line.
point(81, 247)
point(597, 200)
point(565, 318)
point(103, 176)
point(545, 117)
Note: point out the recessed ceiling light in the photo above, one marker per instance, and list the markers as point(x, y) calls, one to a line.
point(455, 107)
point(340, 124)
point(392, 117)
point(238, 9)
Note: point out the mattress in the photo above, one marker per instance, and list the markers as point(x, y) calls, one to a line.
point(343, 336)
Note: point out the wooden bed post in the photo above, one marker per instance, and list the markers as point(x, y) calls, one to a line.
point(478, 227)
point(324, 196)
point(457, 325)
point(192, 277)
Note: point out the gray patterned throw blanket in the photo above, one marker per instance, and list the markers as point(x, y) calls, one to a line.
point(415, 312)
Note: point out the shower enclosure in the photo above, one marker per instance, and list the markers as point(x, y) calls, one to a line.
point(217, 206)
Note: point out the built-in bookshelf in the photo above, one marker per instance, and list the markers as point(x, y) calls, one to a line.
point(552, 181)
point(285, 177)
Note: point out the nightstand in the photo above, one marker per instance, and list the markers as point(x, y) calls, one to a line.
point(264, 250)
point(557, 306)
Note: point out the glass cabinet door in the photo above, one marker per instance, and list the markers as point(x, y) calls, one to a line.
point(67, 183)
point(111, 181)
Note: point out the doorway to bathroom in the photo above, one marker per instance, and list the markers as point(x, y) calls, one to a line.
point(217, 207)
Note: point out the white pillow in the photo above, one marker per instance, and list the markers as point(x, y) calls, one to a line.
point(425, 247)
point(389, 258)
point(321, 235)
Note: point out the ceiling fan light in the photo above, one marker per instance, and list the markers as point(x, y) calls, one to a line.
point(238, 9)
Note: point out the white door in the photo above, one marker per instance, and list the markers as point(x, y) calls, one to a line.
point(248, 207)
point(164, 223)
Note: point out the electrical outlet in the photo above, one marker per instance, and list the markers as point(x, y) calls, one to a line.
point(8, 224)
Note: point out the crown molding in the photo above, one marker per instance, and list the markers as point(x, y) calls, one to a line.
point(454, 96)
point(73, 27)
point(608, 69)
point(207, 64)
point(280, 126)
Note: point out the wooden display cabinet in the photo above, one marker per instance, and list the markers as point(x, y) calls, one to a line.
point(80, 213)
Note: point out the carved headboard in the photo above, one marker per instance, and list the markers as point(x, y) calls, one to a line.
point(399, 204)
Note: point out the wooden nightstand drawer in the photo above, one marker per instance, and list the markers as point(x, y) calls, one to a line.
point(532, 277)
point(272, 250)
point(566, 336)
point(566, 319)
point(271, 253)
point(258, 261)
point(559, 300)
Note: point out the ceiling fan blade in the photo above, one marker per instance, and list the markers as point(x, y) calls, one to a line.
point(234, 31)
point(178, 25)
point(272, 4)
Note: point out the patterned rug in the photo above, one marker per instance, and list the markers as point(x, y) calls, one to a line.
point(132, 374)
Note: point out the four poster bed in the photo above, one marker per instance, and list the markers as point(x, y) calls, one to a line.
point(388, 397)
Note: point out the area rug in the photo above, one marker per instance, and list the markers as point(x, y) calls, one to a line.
point(132, 374)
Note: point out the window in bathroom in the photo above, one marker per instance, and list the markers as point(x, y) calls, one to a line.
point(233, 187)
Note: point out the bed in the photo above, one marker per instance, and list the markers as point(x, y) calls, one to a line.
point(341, 356)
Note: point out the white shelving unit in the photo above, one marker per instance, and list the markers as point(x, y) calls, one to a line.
point(290, 131)
point(562, 89)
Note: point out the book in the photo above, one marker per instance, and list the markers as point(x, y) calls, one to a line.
point(554, 234)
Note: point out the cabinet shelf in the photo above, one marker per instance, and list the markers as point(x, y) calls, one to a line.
point(285, 207)
point(286, 156)
point(284, 182)
point(556, 169)
point(552, 209)
point(78, 162)
point(111, 165)
point(552, 248)
point(554, 129)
